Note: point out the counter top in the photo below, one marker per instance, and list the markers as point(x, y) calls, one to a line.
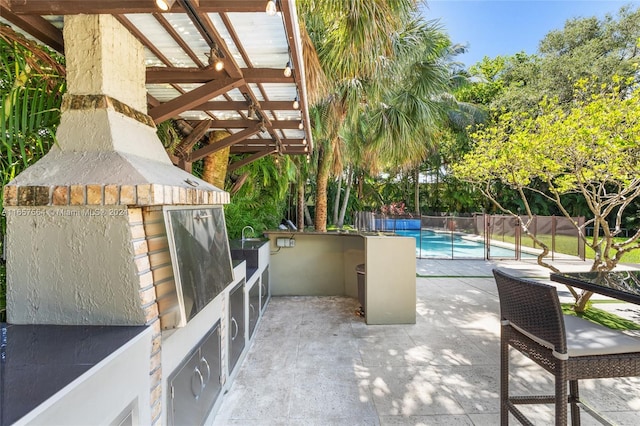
point(37, 361)
point(248, 244)
point(333, 233)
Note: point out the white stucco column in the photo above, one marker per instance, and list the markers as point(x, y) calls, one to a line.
point(103, 57)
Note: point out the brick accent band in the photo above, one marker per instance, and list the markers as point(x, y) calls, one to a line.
point(110, 195)
point(88, 102)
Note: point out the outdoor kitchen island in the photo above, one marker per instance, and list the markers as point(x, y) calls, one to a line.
point(52, 374)
point(104, 231)
point(324, 264)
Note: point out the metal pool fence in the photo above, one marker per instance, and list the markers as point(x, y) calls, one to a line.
point(480, 236)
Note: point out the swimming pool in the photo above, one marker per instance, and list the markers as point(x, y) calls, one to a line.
point(445, 245)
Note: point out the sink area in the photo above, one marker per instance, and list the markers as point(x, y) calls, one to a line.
point(248, 243)
point(255, 252)
point(248, 250)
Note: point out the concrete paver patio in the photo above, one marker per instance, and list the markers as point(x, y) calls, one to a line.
point(314, 362)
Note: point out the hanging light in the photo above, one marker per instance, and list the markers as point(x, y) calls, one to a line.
point(304, 141)
point(165, 5)
point(215, 59)
point(296, 103)
point(252, 112)
point(301, 125)
point(287, 69)
point(306, 149)
point(271, 8)
point(308, 158)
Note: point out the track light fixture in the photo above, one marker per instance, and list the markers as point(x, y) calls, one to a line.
point(287, 69)
point(252, 112)
point(296, 103)
point(215, 59)
point(165, 5)
point(271, 8)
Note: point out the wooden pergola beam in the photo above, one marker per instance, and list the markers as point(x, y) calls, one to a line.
point(289, 146)
point(75, 7)
point(35, 25)
point(223, 143)
point(186, 145)
point(241, 124)
point(159, 75)
point(240, 105)
point(193, 98)
point(96, 7)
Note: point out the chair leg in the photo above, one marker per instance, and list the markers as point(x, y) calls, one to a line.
point(504, 380)
point(574, 398)
point(561, 394)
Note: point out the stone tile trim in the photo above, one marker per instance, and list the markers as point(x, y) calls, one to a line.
point(149, 305)
point(92, 102)
point(110, 195)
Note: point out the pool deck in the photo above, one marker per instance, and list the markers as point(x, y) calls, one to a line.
point(314, 362)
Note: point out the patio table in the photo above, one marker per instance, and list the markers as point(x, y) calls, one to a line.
point(622, 285)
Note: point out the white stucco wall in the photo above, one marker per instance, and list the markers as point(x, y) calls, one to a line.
point(71, 265)
point(103, 57)
point(107, 130)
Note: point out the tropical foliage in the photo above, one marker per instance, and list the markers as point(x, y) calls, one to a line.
point(586, 48)
point(259, 201)
point(590, 149)
point(383, 71)
point(31, 87)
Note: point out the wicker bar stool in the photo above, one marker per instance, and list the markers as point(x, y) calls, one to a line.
point(568, 347)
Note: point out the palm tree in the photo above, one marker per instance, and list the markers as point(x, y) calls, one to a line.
point(369, 48)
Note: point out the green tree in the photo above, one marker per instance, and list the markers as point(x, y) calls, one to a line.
point(584, 48)
point(488, 82)
point(591, 151)
point(377, 56)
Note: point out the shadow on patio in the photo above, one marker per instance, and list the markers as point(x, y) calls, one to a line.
point(314, 362)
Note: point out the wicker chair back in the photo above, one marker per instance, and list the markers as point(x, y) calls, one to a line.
point(533, 308)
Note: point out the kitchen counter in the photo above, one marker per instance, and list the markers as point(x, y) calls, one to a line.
point(249, 251)
point(324, 264)
point(38, 361)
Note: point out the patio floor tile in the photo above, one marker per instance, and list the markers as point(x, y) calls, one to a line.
point(314, 362)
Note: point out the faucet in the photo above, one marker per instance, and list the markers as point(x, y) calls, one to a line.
point(252, 231)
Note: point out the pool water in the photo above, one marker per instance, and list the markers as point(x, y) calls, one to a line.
point(444, 245)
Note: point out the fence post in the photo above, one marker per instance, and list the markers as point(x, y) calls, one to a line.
point(581, 249)
point(553, 237)
point(487, 236)
point(517, 235)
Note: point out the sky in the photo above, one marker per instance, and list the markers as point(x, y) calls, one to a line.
point(504, 27)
